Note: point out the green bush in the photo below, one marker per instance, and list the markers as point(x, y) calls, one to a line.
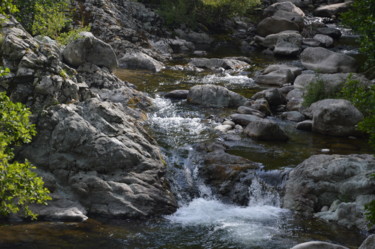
point(361, 17)
point(19, 185)
point(316, 91)
point(363, 97)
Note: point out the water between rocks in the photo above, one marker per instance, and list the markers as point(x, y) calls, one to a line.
point(202, 221)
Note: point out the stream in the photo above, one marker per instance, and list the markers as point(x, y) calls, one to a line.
point(202, 220)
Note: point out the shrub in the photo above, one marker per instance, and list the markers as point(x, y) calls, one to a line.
point(19, 185)
point(363, 97)
point(316, 91)
point(361, 18)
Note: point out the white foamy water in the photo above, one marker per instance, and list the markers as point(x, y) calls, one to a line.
point(242, 224)
point(226, 79)
point(177, 126)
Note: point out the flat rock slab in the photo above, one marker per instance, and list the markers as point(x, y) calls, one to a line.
point(325, 61)
point(214, 96)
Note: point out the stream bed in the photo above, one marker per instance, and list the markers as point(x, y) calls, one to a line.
point(202, 221)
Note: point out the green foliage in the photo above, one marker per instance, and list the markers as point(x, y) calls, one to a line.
point(66, 37)
point(370, 212)
point(316, 91)
point(363, 97)
point(49, 18)
point(19, 185)
point(4, 71)
point(7, 7)
point(361, 17)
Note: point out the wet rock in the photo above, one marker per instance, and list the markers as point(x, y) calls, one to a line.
point(326, 61)
point(140, 60)
point(274, 97)
point(323, 180)
point(251, 111)
point(318, 245)
point(324, 40)
point(310, 42)
point(228, 175)
point(265, 129)
point(294, 100)
point(294, 70)
point(177, 94)
point(215, 63)
point(278, 75)
point(200, 39)
point(305, 125)
point(368, 243)
point(332, 9)
point(332, 82)
point(287, 6)
point(244, 119)
point(332, 32)
point(214, 96)
point(288, 44)
point(337, 117)
point(260, 105)
point(224, 128)
point(181, 46)
point(89, 49)
point(274, 25)
point(294, 116)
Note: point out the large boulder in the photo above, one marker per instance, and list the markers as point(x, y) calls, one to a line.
point(332, 82)
point(336, 117)
point(318, 245)
point(333, 187)
point(332, 10)
point(324, 40)
point(265, 129)
point(278, 74)
point(274, 25)
point(280, 17)
point(325, 61)
point(89, 49)
point(101, 160)
point(288, 44)
point(139, 60)
point(368, 243)
point(287, 6)
point(214, 96)
point(244, 119)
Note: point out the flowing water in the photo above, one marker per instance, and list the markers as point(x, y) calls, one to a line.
point(202, 220)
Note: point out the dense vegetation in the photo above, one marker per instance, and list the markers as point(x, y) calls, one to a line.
point(19, 185)
point(204, 13)
point(51, 18)
point(361, 17)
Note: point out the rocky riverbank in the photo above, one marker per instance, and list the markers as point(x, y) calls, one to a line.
point(96, 156)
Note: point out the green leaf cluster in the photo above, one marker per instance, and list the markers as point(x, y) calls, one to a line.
point(316, 91)
point(361, 17)
point(51, 18)
point(19, 184)
point(362, 96)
